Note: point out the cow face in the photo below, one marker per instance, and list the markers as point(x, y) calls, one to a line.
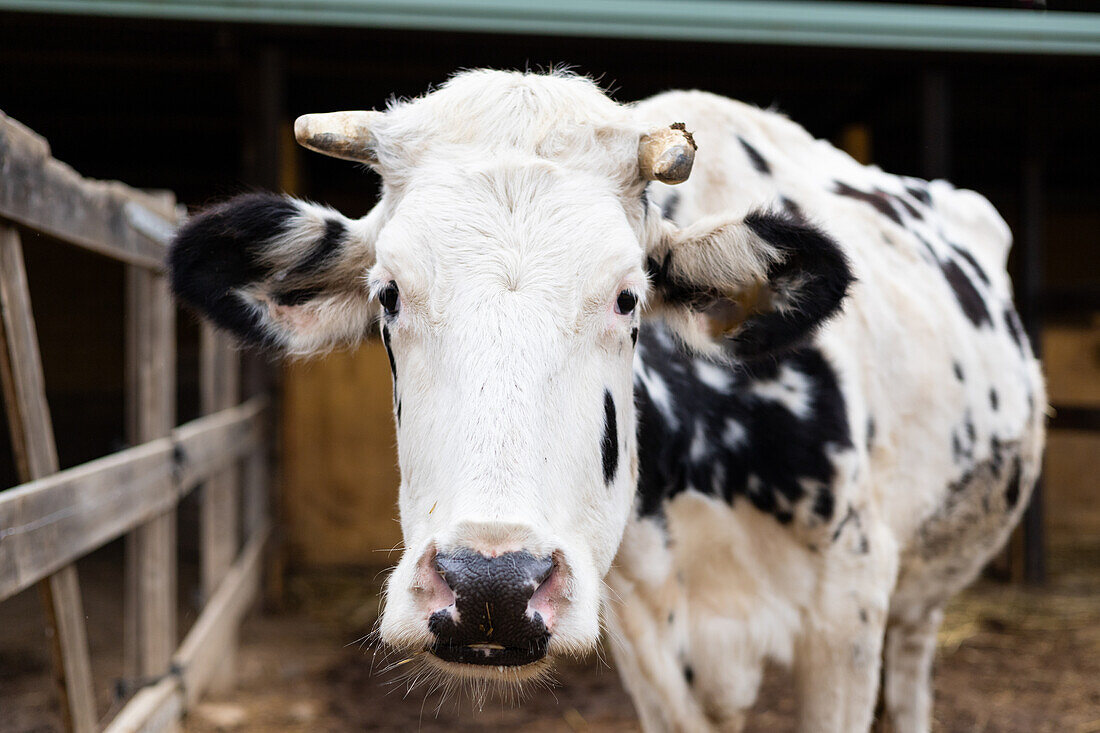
point(507, 263)
point(510, 335)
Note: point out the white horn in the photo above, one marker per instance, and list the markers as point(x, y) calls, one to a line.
point(345, 135)
point(667, 154)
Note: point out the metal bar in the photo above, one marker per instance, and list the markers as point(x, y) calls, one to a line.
point(36, 455)
point(835, 24)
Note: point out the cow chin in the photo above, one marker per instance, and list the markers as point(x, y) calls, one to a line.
point(503, 674)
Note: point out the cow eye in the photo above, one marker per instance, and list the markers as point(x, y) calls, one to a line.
point(625, 303)
point(389, 299)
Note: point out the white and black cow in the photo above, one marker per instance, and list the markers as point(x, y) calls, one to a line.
point(782, 411)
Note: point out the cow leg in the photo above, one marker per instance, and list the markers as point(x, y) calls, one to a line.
point(838, 657)
point(910, 647)
point(836, 675)
point(646, 658)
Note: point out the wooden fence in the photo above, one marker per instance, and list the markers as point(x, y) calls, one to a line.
point(56, 517)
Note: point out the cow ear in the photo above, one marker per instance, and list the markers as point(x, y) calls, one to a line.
point(276, 272)
point(747, 288)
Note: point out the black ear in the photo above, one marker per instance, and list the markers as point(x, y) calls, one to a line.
point(761, 285)
point(807, 286)
point(274, 271)
point(217, 252)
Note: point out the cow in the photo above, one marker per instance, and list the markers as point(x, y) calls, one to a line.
point(673, 369)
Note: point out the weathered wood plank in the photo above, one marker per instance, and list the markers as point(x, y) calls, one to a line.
point(36, 455)
point(28, 414)
point(108, 217)
point(209, 444)
point(157, 708)
point(48, 523)
point(150, 610)
point(199, 655)
point(154, 709)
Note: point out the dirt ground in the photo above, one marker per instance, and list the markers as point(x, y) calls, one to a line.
point(1010, 660)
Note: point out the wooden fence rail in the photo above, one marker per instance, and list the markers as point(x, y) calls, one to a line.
point(56, 517)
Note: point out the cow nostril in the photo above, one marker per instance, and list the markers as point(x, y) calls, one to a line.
point(491, 621)
point(543, 572)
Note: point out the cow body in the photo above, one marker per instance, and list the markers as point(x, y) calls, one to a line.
point(798, 508)
point(828, 422)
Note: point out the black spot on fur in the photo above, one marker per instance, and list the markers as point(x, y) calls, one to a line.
point(793, 210)
point(972, 262)
point(297, 297)
point(753, 447)
point(994, 400)
point(671, 206)
point(677, 291)
point(634, 336)
point(853, 519)
point(919, 193)
point(850, 516)
point(610, 443)
point(863, 615)
point(870, 432)
point(824, 504)
point(755, 157)
point(970, 300)
point(219, 251)
point(689, 675)
point(324, 251)
point(880, 201)
point(1015, 329)
point(909, 208)
point(959, 375)
point(1012, 491)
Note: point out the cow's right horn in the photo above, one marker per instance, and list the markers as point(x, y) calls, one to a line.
point(667, 154)
point(344, 135)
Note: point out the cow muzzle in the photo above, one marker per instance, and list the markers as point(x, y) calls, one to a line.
point(501, 609)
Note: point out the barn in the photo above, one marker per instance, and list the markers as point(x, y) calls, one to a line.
point(291, 525)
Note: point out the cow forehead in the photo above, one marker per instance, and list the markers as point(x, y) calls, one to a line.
point(558, 116)
point(517, 225)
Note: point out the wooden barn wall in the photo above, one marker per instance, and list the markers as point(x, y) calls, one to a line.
point(339, 464)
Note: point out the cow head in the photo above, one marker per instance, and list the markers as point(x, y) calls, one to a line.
point(507, 262)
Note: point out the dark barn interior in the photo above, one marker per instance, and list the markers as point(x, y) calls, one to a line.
point(205, 109)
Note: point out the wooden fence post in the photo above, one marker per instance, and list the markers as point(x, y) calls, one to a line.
point(220, 388)
point(150, 608)
point(36, 455)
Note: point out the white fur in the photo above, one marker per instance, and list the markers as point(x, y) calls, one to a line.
point(511, 220)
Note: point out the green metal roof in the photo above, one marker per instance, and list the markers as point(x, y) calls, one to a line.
point(784, 22)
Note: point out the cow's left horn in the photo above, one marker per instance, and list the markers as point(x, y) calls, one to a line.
point(344, 135)
point(667, 154)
